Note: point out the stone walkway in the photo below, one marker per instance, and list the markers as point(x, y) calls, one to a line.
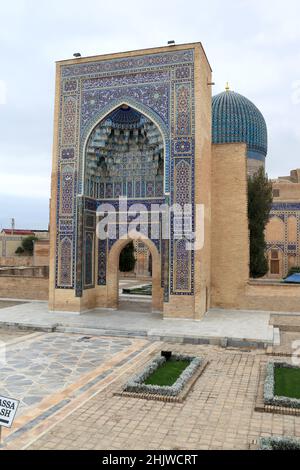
point(44, 364)
point(237, 327)
point(11, 336)
point(217, 414)
point(9, 303)
point(66, 392)
point(286, 322)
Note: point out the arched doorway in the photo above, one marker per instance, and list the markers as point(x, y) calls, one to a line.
point(135, 277)
point(113, 273)
point(275, 259)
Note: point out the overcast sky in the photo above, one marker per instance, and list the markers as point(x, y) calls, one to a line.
point(254, 44)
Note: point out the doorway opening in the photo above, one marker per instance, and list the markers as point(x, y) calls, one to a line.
point(275, 263)
point(135, 277)
point(153, 301)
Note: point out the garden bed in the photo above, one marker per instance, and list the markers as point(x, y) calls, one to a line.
point(279, 443)
point(266, 398)
point(165, 378)
point(282, 385)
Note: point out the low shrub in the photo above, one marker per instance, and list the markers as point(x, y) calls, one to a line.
point(279, 443)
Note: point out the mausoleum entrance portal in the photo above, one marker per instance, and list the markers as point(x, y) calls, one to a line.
point(131, 141)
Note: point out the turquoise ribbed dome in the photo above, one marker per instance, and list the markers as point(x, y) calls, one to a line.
point(237, 119)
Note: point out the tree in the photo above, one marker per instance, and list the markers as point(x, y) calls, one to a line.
point(260, 198)
point(19, 251)
point(127, 259)
point(27, 244)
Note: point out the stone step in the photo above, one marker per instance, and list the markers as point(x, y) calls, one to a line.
point(289, 323)
point(102, 332)
point(46, 328)
point(153, 335)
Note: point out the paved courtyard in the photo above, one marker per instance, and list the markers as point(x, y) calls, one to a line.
point(218, 413)
point(46, 363)
point(66, 384)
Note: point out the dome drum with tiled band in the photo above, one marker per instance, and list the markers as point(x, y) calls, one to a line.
point(237, 119)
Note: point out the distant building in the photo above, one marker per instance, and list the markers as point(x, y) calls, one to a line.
point(283, 229)
point(11, 239)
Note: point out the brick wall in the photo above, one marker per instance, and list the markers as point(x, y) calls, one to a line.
point(31, 288)
point(16, 261)
point(41, 253)
point(260, 295)
point(229, 228)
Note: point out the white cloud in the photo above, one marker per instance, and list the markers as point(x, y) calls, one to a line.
point(24, 186)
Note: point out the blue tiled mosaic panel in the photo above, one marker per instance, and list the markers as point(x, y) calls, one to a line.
point(102, 256)
point(65, 271)
point(89, 259)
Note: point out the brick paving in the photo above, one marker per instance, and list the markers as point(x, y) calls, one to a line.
point(217, 414)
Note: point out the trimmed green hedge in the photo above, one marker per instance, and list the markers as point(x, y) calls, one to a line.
point(279, 443)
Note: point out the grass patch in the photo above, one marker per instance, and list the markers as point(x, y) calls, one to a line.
point(167, 373)
point(145, 290)
point(287, 382)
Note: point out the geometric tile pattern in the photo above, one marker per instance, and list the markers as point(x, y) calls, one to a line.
point(159, 86)
point(89, 260)
point(65, 259)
